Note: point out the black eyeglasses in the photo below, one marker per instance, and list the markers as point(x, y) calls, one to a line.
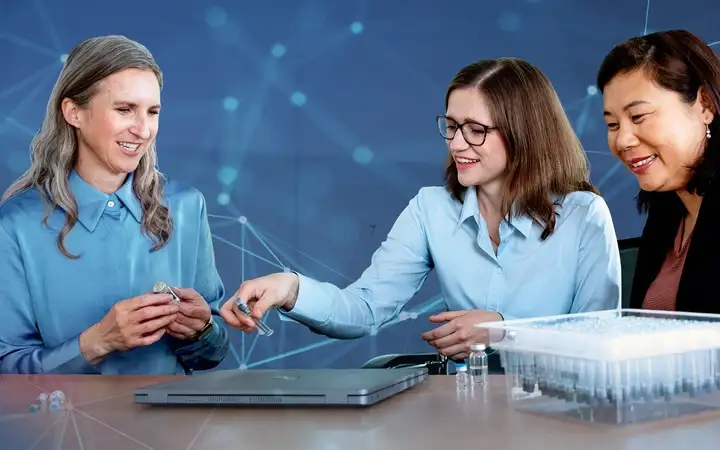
point(473, 132)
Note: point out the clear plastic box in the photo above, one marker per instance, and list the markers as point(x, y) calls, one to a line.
point(615, 367)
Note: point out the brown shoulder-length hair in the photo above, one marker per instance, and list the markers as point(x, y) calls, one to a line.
point(681, 62)
point(545, 156)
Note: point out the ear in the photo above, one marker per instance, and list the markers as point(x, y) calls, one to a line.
point(71, 112)
point(707, 106)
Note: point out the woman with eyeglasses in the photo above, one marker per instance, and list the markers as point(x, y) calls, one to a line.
point(517, 231)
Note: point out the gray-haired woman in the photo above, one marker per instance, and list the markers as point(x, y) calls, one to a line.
point(92, 225)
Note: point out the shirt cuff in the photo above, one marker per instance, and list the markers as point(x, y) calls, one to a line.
point(68, 359)
point(313, 305)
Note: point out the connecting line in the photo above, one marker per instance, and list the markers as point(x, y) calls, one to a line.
point(647, 17)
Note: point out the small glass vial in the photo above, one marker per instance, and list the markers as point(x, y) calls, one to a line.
point(478, 365)
point(461, 377)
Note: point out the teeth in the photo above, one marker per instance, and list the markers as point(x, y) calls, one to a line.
point(466, 160)
point(129, 146)
point(644, 162)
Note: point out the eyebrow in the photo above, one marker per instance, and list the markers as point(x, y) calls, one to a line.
point(134, 105)
point(466, 120)
point(628, 106)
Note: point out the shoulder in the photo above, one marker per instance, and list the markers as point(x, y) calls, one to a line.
point(180, 194)
point(434, 196)
point(584, 203)
point(22, 209)
point(587, 213)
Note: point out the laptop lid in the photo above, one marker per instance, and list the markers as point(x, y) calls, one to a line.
point(284, 387)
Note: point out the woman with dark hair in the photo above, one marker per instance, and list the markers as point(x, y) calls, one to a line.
point(92, 225)
point(661, 94)
point(516, 232)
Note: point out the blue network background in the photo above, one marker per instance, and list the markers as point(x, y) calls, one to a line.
point(309, 125)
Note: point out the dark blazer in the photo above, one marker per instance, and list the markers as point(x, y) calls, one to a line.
point(699, 289)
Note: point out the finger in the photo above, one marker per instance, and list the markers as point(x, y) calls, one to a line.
point(447, 341)
point(439, 332)
point(457, 349)
point(187, 294)
point(177, 328)
point(150, 338)
point(446, 316)
point(263, 304)
point(248, 291)
point(233, 317)
point(190, 322)
point(175, 335)
point(149, 300)
point(196, 311)
point(153, 312)
point(151, 326)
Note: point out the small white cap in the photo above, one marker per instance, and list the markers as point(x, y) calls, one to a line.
point(477, 347)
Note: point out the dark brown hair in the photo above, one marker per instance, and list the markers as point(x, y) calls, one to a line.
point(545, 156)
point(681, 62)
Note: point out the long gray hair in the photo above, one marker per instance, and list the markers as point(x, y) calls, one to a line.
point(53, 152)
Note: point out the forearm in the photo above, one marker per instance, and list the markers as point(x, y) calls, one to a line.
point(334, 312)
point(63, 359)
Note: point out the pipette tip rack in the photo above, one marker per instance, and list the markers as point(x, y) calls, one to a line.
point(619, 366)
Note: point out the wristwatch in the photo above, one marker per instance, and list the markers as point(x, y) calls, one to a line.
point(205, 331)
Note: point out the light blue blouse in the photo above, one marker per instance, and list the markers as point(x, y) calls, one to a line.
point(577, 269)
point(47, 299)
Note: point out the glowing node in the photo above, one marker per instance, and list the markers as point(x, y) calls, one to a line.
point(242, 220)
point(278, 50)
point(287, 269)
point(227, 174)
point(223, 198)
point(403, 316)
point(413, 315)
point(298, 98)
point(63, 58)
point(243, 367)
point(357, 27)
point(363, 155)
point(230, 103)
point(592, 90)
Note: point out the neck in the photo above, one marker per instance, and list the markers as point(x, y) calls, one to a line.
point(490, 201)
point(692, 203)
point(97, 175)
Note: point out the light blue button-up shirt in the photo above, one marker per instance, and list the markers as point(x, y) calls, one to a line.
point(47, 299)
point(576, 269)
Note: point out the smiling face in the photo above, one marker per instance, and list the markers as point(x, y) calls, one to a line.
point(652, 131)
point(477, 165)
point(118, 126)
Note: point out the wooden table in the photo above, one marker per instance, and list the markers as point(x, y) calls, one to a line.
point(100, 414)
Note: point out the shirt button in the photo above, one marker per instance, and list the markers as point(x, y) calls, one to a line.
point(111, 203)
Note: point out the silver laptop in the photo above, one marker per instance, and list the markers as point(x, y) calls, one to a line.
point(356, 387)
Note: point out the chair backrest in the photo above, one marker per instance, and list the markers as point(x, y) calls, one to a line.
point(628, 259)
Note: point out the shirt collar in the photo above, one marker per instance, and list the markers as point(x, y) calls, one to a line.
point(91, 202)
point(521, 222)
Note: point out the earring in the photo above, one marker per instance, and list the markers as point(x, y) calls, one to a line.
point(707, 131)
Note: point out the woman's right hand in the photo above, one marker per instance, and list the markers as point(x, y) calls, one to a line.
point(135, 322)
